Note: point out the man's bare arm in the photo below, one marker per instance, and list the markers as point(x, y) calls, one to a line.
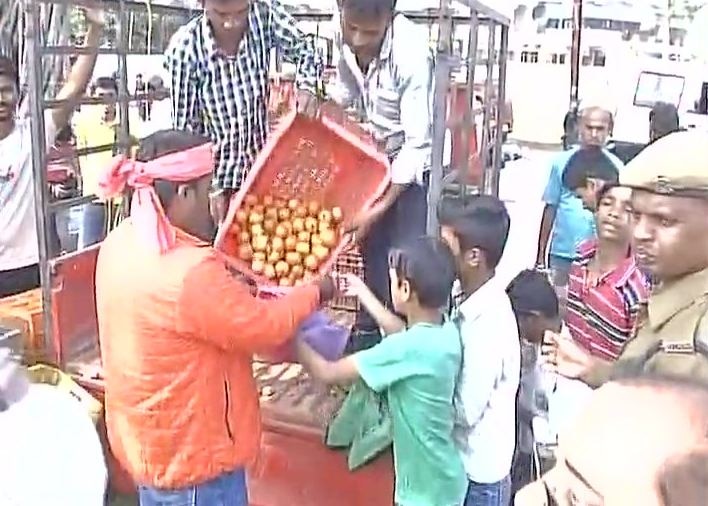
point(81, 72)
point(387, 320)
point(549, 216)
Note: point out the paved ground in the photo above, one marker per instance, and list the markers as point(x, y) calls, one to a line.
point(521, 187)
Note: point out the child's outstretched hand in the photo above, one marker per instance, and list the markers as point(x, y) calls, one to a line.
point(351, 285)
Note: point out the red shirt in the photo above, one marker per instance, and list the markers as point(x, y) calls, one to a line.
point(601, 316)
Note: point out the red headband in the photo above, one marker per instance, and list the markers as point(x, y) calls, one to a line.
point(145, 209)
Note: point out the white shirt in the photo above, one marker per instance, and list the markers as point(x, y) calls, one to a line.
point(18, 227)
point(51, 453)
point(393, 96)
point(529, 392)
point(486, 392)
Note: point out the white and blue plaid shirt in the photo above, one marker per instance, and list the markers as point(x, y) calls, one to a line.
point(226, 97)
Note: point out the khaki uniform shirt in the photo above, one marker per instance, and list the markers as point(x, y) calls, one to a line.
point(671, 337)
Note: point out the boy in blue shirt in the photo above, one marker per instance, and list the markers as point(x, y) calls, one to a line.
point(565, 222)
point(417, 369)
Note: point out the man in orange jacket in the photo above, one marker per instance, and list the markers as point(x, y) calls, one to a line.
point(178, 332)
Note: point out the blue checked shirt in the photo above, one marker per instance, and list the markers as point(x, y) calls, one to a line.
point(226, 98)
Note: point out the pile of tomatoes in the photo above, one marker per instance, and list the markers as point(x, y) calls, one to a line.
point(285, 241)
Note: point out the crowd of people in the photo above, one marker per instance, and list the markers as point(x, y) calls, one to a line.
point(605, 340)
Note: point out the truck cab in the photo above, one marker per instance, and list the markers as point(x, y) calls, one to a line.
point(683, 84)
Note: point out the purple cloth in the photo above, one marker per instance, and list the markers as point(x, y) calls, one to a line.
point(319, 331)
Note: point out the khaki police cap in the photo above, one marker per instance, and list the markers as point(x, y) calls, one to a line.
point(673, 165)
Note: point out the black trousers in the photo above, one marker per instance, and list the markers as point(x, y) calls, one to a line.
point(404, 221)
point(19, 280)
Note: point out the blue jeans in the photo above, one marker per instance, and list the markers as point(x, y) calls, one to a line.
point(561, 269)
point(403, 222)
point(227, 490)
point(489, 494)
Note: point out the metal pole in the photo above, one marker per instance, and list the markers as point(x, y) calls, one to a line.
point(123, 107)
point(575, 50)
point(570, 130)
point(491, 182)
point(442, 85)
point(487, 177)
point(472, 48)
point(41, 195)
point(468, 118)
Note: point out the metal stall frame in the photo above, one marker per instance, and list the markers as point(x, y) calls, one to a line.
point(480, 14)
point(45, 209)
point(37, 51)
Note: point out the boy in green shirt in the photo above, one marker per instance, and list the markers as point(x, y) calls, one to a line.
point(417, 368)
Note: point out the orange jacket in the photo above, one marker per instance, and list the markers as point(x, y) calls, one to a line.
point(177, 334)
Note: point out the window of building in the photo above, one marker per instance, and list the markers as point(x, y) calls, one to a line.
point(598, 58)
point(529, 57)
point(557, 58)
point(553, 23)
point(567, 23)
point(596, 24)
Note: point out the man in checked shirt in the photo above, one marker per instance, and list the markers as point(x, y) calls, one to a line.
point(385, 74)
point(219, 65)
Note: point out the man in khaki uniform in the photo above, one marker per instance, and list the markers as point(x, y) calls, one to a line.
point(670, 212)
point(654, 453)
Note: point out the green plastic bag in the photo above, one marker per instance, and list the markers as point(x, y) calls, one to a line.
point(362, 425)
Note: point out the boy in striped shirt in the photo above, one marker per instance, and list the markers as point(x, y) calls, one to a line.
point(606, 289)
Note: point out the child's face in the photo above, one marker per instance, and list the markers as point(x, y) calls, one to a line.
point(613, 214)
point(588, 194)
point(532, 327)
point(400, 292)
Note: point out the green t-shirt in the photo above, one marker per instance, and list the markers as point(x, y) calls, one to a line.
point(418, 368)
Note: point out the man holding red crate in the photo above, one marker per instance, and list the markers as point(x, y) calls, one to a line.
point(219, 66)
point(385, 74)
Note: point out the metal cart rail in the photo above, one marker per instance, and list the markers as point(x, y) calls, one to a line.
point(480, 14)
point(37, 51)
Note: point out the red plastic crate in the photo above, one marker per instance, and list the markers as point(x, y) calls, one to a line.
point(318, 160)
